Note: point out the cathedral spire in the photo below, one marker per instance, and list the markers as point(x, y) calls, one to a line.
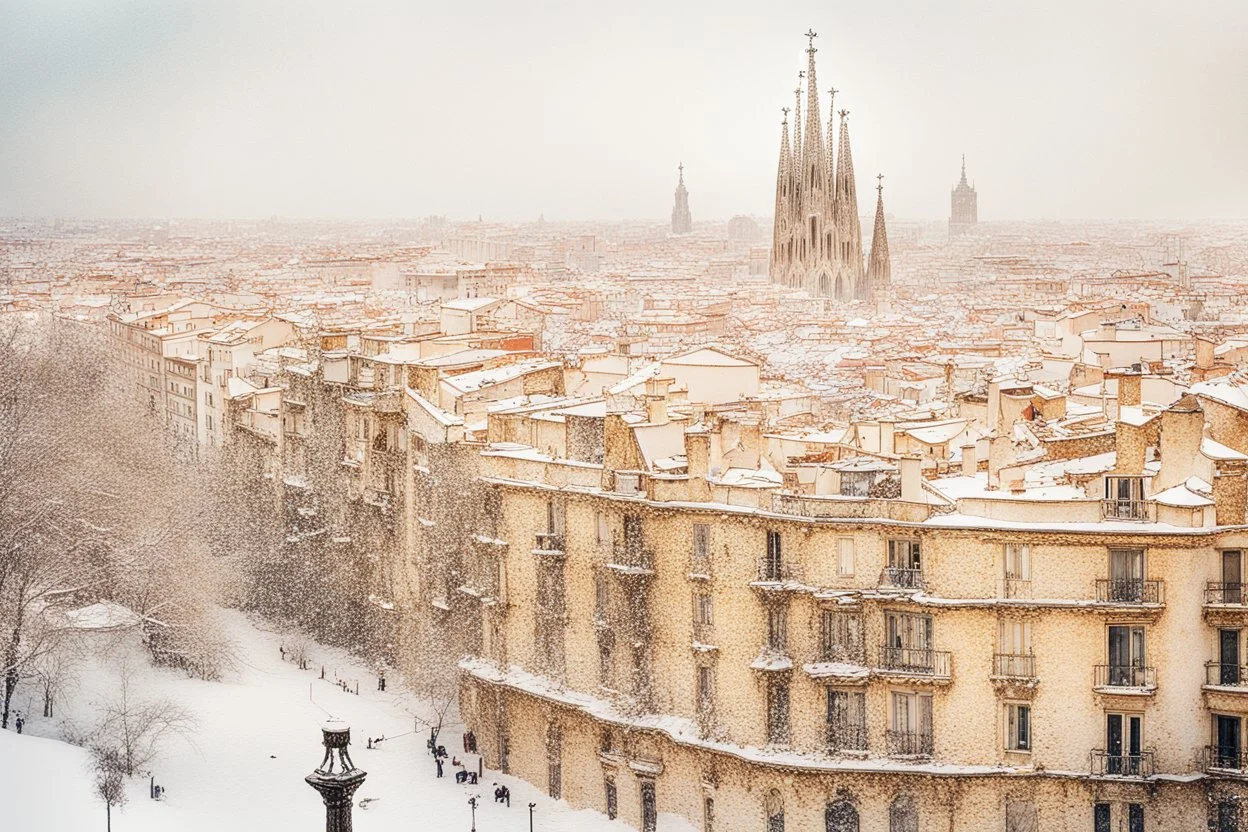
point(682, 219)
point(879, 271)
point(847, 221)
point(780, 246)
point(963, 182)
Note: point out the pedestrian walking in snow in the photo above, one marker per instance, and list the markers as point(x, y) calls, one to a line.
point(19, 722)
point(282, 648)
point(438, 762)
point(381, 683)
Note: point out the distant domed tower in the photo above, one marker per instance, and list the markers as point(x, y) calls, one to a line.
point(682, 220)
point(963, 206)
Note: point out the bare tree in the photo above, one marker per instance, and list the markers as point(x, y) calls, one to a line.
point(137, 727)
point(110, 782)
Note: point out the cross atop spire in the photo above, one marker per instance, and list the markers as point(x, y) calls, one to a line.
point(880, 179)
point(832, 91)
point(681, 168)
point(785, 110)
point(811, 34)
point(963, 169)
point(843, 113)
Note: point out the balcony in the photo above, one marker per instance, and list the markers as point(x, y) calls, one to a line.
point(901, 577)
point(847, 737)
point(1226, 594)
point(1130, 591)
point(1226, 759)
point(1105, 764)
point(1137, 510)
point(1014, 666)
point(908, 743)
point(631, 559)
point(1218, 675)
point(548, 543)
point(1124, 679)
point(916, 662)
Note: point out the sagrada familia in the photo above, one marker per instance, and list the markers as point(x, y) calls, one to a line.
point(817, 243)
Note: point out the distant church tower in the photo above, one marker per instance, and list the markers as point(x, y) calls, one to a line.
point(963, 206)
point(817, 238)
point(682, 220)
point(879, 272)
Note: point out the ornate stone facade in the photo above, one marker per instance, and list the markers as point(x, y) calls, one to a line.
point(817, 240)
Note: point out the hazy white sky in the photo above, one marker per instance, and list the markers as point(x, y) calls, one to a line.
point(355, 108)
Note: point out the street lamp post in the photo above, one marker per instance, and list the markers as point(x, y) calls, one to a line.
point(532, 806)
point(336, 787)
point(472, 802)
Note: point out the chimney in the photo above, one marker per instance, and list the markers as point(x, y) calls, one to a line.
point(1230, 493)
point(970, 462)
point(656, 409)
point(887, 443)
point(998, 457)
point(912, 479)
point(1129, 390)
point(1182, 430)
point(994, 404)
point(1132, 446)
point(1204, 354)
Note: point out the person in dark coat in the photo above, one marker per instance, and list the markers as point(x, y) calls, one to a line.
point(438, 762)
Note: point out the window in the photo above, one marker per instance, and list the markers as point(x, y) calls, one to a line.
point(606, 659)
point(649, 807)
point(908, 642)
point(778, 712)
point(706, 688)
point(903, 815)
point(602, 528)
point(701, 545)
point(1124, 738)
point(840, 816)
point(777, 628)
point(841, 637)
point(602, 598)
point(903, 554)
point(773, 807)
point(1017, 727)
point(1126, 656)
point(1020, 816)
point(611, 798)
point(911, 719)
point(554, 760)
point(847, 720)
point(773, 566)
point(702, 609)
point(1018, 562)
point(554, 517)
point(845, 556)
point(1135, 817)
point(1101, 818)
point(1126, 575)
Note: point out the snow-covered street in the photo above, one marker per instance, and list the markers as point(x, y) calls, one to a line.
point(258, 735)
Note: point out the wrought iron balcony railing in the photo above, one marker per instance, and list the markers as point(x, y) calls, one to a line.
point(917, 661)
point(847, 737)
point(1130, 591)
point(1122, 765)
point(1226, 594)
point(1014, 665)
point(1125, 676)
point(1141, 510)
point(1226, 675)
point(902, 577)
point(909, 743)
point(1226, 758)
point(549, 542)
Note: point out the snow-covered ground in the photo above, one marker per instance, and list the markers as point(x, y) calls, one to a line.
point(258, 735)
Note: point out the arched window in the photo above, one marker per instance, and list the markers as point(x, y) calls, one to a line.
point(774, 808)
point(840, 816)
point(903, 815)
